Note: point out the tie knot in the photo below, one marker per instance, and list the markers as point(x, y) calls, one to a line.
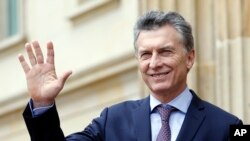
point(165, 112)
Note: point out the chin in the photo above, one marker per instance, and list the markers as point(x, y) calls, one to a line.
point(159, 89)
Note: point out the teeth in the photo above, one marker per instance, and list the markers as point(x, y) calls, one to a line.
point(159, 75)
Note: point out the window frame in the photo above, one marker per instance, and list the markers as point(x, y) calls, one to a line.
point(8, 42)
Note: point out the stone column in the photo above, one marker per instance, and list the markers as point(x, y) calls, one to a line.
point(246, 58)
point(221, 57)
point(235, 57)
point(205, 49)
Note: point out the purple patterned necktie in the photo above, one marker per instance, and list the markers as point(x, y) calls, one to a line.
point(164, 133)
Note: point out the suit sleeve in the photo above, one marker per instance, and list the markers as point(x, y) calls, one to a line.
point(46, 127)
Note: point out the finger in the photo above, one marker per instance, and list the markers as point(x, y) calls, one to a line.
point(30, 53)
point(38, 51)
point(50, 53)
point(64, 77)
point(24, 64)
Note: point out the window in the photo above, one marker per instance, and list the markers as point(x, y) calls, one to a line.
point(10, 13)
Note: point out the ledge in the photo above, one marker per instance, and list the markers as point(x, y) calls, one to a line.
point(87, 8)
point(12, 42)
point(101, 71)
point(105, 69)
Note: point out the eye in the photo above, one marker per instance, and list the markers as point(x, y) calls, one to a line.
point(145, 55)
point(166, 52)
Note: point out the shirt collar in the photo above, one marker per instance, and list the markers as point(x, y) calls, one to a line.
point(181, 102)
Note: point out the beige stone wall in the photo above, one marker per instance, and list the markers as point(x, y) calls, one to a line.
point(94, 39)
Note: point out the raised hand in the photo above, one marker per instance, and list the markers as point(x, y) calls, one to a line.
point(42, 81)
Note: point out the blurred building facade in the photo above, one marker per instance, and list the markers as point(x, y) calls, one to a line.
point(94, 38)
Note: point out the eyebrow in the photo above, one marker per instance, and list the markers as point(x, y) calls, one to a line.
point(143, 50)
point(167, 47)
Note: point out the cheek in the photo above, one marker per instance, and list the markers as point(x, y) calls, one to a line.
point(143, 66)
point(179, 61)
point(172, 63)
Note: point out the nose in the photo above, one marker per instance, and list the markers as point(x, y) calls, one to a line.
point(155, 61)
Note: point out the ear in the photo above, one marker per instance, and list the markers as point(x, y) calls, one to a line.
point(190, 59)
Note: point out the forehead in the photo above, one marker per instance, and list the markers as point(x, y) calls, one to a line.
point(157, 38)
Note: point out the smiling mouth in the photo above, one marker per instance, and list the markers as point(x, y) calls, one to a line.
point(159, 74)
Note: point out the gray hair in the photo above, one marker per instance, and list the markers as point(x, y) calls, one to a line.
point(156, 19)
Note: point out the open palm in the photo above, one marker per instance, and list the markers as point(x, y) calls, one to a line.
point(42, 82)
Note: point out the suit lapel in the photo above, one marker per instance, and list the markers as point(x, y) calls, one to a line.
point(194, 118)
point(141, 116)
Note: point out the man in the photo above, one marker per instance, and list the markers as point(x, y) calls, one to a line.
point(164, 50)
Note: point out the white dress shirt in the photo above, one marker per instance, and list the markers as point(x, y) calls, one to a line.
point(176, 119)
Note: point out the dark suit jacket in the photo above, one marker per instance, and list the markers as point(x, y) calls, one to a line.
point(130, 121)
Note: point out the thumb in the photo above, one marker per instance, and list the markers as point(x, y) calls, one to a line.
point(64, 77)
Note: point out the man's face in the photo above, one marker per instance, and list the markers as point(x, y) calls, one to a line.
point(163, 60)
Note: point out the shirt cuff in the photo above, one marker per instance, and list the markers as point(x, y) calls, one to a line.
point(38, 111)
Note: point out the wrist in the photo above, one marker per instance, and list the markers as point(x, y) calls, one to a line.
point(38, 104)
